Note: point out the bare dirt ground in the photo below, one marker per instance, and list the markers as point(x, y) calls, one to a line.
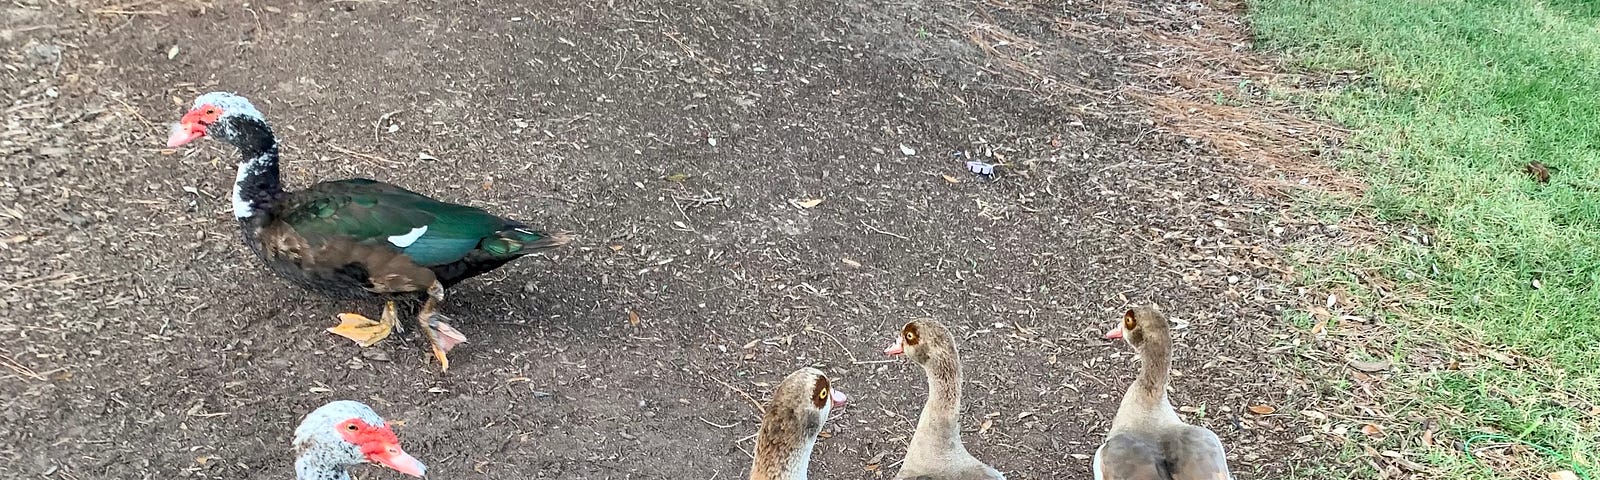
point(682, 141)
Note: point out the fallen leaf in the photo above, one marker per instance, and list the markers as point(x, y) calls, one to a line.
point(1371, 366)
point(811, 203)
point(677, 177)
point(1540, 173)
point(633, 318)
point(172, 52)
point(907, 150)
point(1372, 430)
point(1314, 415)
point(951, 179)
point(1189, 409)
point(1320, 327)
point(1563, 475)
point(425, 157)
point(850, 262)
point(987, 424)
point(320, 390)
point(1262, 409)
point(1304, 439)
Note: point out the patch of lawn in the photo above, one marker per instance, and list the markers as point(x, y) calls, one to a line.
point(1461, 96)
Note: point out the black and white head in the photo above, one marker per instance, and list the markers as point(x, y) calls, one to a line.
point(345, 433)
point(219, 115)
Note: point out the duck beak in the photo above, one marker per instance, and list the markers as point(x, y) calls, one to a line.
point(400, 462)
point(894, 349)
point(838, 398)
point(184, 132)
point(1115, 333)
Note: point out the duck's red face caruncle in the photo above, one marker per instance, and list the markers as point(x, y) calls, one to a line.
point(380, 445)
point(193, 125)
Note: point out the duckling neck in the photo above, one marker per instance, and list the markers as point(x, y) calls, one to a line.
point(939, 428)
point(1146, 400)
point(307, 468)
point(780, 456)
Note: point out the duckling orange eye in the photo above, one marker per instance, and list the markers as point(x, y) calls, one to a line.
point(1128, 322)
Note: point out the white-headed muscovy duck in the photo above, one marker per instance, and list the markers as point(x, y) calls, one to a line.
point(357, 238)
point(345, 433)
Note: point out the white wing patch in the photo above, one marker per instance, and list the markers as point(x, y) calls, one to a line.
point(409, 238)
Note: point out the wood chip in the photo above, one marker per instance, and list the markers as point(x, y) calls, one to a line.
point(1371, 366)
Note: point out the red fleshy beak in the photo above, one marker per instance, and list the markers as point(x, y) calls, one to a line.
point(895, 349)
point(838, 398)
point(1115, 333)
point(399, 460)
point(186, 130)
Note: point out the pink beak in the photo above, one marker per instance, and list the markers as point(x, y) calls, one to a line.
point(1115, 333)
point(894, 349)
point(184, 132)
point(401, 462)
point(838, 398)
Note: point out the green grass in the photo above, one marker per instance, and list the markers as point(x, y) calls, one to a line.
point(1459, 96)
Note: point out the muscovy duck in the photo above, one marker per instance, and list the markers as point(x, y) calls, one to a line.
point(357, 238)
point(345, 433)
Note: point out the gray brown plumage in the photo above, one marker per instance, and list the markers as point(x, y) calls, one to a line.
point(1147, 440)
point(936, 451)
point(790, 424)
